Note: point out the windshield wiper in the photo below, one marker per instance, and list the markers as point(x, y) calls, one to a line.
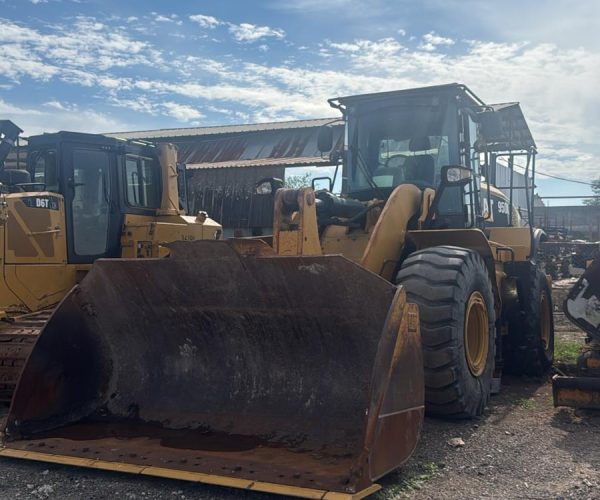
point(362, 164)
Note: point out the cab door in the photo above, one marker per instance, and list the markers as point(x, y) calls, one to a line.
point(90, 189)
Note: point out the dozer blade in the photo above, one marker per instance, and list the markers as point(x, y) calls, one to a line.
point(577, 392)
point(293, 375)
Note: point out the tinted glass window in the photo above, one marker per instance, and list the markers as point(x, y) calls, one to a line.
point(142, 182)
point(392, 146)
point(44, 169)
point(90, 203)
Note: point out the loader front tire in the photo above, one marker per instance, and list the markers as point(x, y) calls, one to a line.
point(452, 288)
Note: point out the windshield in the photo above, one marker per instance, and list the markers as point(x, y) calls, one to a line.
point(398, 145)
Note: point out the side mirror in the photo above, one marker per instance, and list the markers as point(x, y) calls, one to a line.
point(268, 185)
point(490, 125)
point(317, 179)
point(325, 138)
point(456, 175)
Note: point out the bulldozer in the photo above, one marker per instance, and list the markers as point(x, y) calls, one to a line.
point(80, 197)
point(303, 364)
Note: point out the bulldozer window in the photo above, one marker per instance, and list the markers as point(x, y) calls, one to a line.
point(142, 177)
point(90, 201)
point(44, 169)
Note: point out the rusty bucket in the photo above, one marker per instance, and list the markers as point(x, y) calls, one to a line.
point(294, 375)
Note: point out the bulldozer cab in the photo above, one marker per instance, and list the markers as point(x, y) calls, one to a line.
point(82, 197)
point(412, 136)
point(101, 179)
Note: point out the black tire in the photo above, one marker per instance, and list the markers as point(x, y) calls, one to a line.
point(441, 281)
point(526, 351)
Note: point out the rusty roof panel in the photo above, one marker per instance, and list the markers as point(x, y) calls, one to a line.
point(264, 162)
point(271, 147)
point(261, 144)
point(223, 129)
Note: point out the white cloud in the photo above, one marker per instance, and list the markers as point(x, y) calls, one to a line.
point(370, 52)
point(246, 32)
point(182, 112)
point(55, 105)
point(431, 41)
point(35, 121)
point(557, 86)
point(85, 44)
point(173, 18)
point(206, 21)
point(243, 32)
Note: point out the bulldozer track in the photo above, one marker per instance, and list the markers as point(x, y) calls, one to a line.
point(17, 338)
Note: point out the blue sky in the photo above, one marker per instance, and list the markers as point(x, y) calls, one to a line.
point(103, 66)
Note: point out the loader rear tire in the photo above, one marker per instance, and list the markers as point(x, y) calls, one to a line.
point(530, 344)
point(452, 288)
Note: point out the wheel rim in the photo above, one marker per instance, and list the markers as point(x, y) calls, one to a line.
point(545, 320)
point(476, 334)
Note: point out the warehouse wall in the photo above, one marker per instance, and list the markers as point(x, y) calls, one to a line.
point(227, 194)
point(582, 222)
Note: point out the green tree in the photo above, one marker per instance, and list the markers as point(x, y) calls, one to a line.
point(596, 190)
point(298, 181)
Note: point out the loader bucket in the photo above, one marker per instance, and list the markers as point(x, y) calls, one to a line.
point(293, 375)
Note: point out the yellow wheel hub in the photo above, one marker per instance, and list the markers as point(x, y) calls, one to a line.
point(476, 334)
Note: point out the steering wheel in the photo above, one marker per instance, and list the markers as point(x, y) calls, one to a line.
point(389, 164)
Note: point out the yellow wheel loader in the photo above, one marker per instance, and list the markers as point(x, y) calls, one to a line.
point(304, 367)
point(81, 197)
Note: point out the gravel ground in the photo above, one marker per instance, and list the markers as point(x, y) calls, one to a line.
point(522, 448)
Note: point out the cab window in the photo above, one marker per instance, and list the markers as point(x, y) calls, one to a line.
point(43, 171)
point(90, 201)
point(142, 182)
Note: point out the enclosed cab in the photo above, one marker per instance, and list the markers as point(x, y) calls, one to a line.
point(83, 197)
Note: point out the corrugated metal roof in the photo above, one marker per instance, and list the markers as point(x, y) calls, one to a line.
point(221, 129)
point(263, 144)
point(281, 146)
point(264, 162)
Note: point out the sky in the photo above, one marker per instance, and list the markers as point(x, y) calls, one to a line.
point(107, 66)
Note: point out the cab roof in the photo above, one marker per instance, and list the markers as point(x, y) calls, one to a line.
point(457, 89)
point(80, 138)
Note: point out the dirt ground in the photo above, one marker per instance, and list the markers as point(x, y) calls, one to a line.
point(522, 447)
